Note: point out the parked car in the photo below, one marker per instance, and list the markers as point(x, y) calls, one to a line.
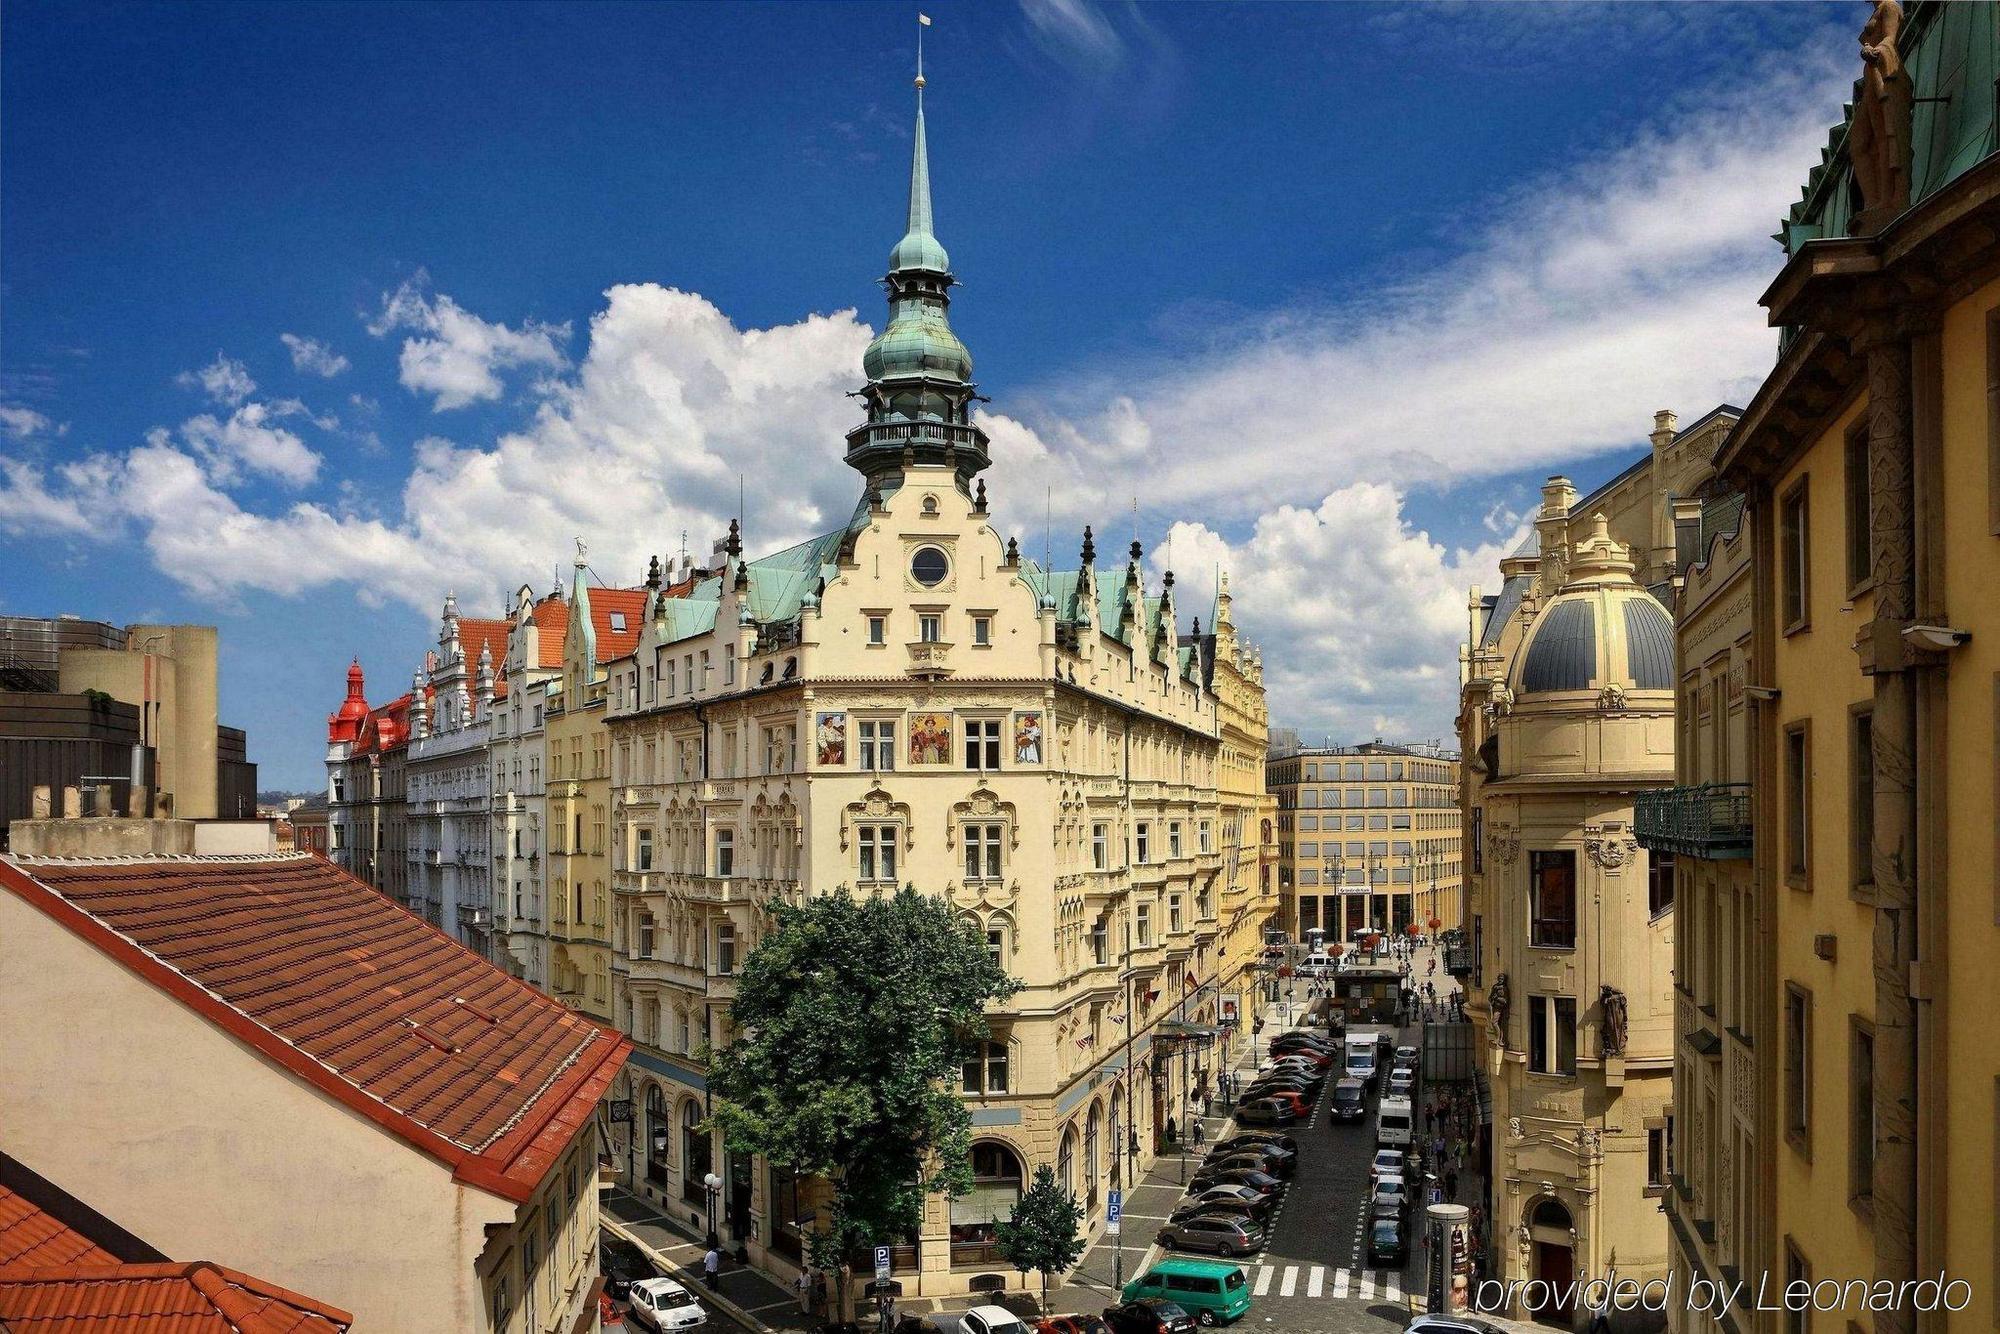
point(663, 1304)
point(1387, 1244)
point(1256, 1202)
point(1280, 1084)
point(1300, 1104)
point(1225, 1208)
point(1266, 1112)
point(1388, 1162)
point(1311, 1067)
point(1256, 1179)
point(991, 1320)
point(1216, 1291)
point(1279, 1162)
point(1070, 1324)
point(1402, 1082)
point(1389, 1193)
point(1270, 1137)
point(1299, 1040)
point(1223, 1234)
point(1152, 1316)
point(1350, 1100)
point(622, 1264)
point(1406, 1056)
point(1238, 1162)
point(1448, 1324)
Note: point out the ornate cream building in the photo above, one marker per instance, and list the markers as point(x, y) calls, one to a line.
point(1567, 716)
point(908, 699)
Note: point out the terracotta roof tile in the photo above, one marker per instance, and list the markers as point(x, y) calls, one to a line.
point(29, 1236)
point(197, 1298)
point(490, 636)
point(630, 605)
point(552, 615)
point(352, 993)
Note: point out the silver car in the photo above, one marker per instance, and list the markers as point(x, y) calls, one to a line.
point(1220, 1234)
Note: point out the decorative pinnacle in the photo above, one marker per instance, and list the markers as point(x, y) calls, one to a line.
point(734, 543)
point(1137, 550)
point(1089, 546)
point(653, 573)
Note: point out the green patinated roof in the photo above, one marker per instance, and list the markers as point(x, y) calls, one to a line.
point(779, 583)
point(1952, 54)
point(919, 248)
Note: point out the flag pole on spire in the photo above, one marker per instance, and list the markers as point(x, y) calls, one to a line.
point(923, 21)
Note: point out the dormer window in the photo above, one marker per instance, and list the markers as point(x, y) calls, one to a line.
point(618, 622)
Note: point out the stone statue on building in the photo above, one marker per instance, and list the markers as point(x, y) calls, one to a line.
point(1878, 142)
point(1612, 1032)
point(1497, 999)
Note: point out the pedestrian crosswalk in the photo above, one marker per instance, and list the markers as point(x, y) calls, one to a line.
point(1366, 1284)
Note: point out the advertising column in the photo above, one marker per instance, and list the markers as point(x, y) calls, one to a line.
point(1448, 1268)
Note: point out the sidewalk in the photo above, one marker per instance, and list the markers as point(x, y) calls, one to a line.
point(747, 1296)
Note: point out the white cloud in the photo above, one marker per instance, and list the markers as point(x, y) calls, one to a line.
point(247, 439)
point(1074, 29)
point(312, 356)
point(20, 423)
point(456, 356)
point(225, 380)
point(27, 505)
point(1359, 614)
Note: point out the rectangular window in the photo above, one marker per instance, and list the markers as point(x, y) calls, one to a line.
point(1656, 1157)
point(878, 745)
point(725, 948)
point(877, 852)
point(982, 743)
point(878, 629)
point(1861, 1113)
point(985, 1071)
point(1100, 847)
point(1173, 914)
point(1145, 924)
point(729, 664)
point(1861, 799)
point(1173, 838)
point(1798, 805)
point(1206, 841)
point(725, 853)
point(982, 851)
point(1144, 838)
point(930, 627)
point(1552, 1035)
point(645, 854)
point(1798, 1068)
point(982, 631)
point(1552, 895)
point(996, 948)
point(1659, 882)
point(1794, 554)
point(1798, 1277)
point(1860, 558)
point(645, 935)
point(1479, 840)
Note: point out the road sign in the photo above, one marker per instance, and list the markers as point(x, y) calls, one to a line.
point(1114, 1210)
point(881, 1264)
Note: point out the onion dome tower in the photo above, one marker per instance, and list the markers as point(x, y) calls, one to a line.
point(919, 393)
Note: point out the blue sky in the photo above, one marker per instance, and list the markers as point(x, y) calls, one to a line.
point(308, 313)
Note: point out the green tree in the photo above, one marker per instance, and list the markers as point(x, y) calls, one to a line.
point(850, 1016)
point(1044, 1233)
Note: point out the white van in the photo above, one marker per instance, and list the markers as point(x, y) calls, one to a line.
point(1359, 1058)
point(1393, 1124)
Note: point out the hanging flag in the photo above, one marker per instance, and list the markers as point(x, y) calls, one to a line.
point(1190, 980)
point(924, 19)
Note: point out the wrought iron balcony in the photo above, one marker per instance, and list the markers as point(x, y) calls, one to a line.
point(1710, 820)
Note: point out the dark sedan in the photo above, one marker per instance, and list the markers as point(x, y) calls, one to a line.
point(622, 1265)
point(1261, 1182)
point(1269, 1157)
point(1243, 1139)
point(1386, 1242)
point(1148, 1316)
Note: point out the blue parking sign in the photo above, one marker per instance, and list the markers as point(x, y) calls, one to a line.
point(1114, 1209)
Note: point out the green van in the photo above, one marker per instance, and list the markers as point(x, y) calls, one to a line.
point(1214, 1291)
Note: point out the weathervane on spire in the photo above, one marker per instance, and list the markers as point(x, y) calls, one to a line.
point(923, 21)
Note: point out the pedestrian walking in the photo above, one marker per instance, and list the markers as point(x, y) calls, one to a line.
point(1451, 1182)
point(802, 1288)
point(1600, 1308)
point(1198, 1134)
point(711, 1266)
point(819, 1293)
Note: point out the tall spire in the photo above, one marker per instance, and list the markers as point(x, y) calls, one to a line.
point(920, 389)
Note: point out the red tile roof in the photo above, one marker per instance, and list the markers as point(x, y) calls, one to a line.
point(197, 1298)
point(552, 615)
point(473, 636)
point(29, 1236)
point(353, 994)
point(631, 603)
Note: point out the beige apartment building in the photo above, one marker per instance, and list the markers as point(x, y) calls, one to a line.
point(1368, 838)
point(1847, 1027)
point(1065, 755)
point(254, 1058)
point(1566, 719)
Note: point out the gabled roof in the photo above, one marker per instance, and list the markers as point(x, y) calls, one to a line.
point(551, 615)
point(477, 635)
point(354, 995)
point(197, 1298)
point(630, 606)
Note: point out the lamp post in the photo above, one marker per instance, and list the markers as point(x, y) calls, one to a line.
point(713, 1185)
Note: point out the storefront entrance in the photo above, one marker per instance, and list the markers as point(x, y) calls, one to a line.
point(1552, 1263)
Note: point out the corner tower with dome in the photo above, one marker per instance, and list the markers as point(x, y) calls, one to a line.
point(909, 699)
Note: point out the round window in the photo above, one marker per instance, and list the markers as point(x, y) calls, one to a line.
point(929, 566)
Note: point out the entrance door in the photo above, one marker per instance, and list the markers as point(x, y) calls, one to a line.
point(739, 1195)
point(1555, 1272)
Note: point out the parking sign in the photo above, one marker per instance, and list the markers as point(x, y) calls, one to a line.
point(881, 1264)
point(1114, 1208)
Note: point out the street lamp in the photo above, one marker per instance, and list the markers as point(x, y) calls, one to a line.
point(713, 1185)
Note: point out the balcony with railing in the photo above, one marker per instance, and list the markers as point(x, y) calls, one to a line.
point(1710, 820)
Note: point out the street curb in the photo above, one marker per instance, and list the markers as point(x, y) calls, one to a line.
point(689, 1279)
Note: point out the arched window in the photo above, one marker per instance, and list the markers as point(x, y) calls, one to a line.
point(694, 1153)
point(659, 1136)
point(1550, 1212)
point(996, 1185)
point(1090, 1130)
point(1066, 1162)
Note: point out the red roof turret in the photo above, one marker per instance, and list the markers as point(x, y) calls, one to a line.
point(345, 724)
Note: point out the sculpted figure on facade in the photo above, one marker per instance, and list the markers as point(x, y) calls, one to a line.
point(1879, 141)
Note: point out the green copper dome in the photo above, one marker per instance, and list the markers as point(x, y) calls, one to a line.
point(918, 341)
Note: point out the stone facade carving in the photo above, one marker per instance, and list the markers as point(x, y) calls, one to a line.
point(1503, 843)
point(1611, 698)
point(1612, 1034)
point(1608, 851)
